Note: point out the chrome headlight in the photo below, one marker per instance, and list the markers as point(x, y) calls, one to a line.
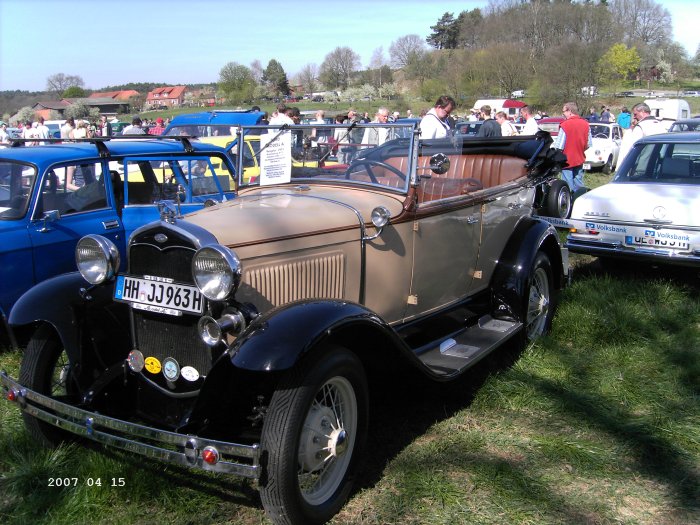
point(216, 271)
point(97, 258)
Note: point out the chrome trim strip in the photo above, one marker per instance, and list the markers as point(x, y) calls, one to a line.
point(596, 249)
point(124, 435)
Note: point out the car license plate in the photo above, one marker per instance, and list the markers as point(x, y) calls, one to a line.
point(657, 241)
point(587, 166)
point(158, 294)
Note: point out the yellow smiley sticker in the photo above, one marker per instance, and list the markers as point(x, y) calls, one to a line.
point(152, 365)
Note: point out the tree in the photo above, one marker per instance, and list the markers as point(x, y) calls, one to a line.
point(236, 82)
point(445, 33)
point(59, 82)
point(469, 28)
point(645, 21)
point(406, 50)
point(79, 110)
point(338, 66)
point(74, 92)
point(256, 70)
point(25, 114)
point(618, 63)
point(275, 78)
point(307, 78)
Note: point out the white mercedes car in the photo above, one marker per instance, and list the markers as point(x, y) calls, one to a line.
point(650, 211)
point(605, 150)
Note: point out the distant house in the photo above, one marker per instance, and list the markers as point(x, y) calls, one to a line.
point(106, 106)
point(125, 94)
point(171, 96)
point(44, 109)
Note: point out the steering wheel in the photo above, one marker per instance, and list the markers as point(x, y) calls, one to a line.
point(368, 164)
point(471, 184)
point(600, 136)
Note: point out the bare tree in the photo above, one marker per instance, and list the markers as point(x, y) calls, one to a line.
point(407, 49)
point(59, 82)
point(338, 66)
point(256, 69)
point(645, 21)
point(307, 77)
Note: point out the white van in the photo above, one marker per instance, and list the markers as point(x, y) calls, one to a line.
point(668, 108)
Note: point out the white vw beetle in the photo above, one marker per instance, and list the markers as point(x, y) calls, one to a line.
point(650, 211)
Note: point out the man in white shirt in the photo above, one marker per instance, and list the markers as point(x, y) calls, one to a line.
point(435, 125)
point(646, 125)
point(530, 127)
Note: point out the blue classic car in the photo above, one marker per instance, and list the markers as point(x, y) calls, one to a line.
point(50, 196)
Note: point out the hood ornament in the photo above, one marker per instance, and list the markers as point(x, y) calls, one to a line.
point(170, 210)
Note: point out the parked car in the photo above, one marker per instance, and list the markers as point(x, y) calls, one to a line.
point(689, 124)
point(650, 211)
point(691, 93)
point(212, 123)
point(605, 150)
point(53, 195)
point(468, 127)
point(243, 338)
point(550, 124)
point(626, 94)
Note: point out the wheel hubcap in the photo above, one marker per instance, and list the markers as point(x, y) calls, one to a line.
point(327, 440)
point(538, 304)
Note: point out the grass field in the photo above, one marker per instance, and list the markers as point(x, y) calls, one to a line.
point(599, 423)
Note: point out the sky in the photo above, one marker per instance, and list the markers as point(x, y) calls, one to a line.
point(113, 42)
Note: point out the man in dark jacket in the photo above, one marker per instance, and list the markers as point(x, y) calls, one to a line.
point(490, 128)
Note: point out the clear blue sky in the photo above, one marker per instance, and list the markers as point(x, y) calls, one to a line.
point(111, 42)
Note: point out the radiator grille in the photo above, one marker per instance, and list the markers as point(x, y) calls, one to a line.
point(163, 336)
point(173, 262)
point(320, 277)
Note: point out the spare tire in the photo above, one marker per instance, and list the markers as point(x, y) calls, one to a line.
point(558, 201)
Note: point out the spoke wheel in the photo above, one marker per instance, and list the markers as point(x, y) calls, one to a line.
point(46, 369)
point(539, 307)
point(313, 434)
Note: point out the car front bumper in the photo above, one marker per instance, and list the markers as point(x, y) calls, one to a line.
point(170, 447)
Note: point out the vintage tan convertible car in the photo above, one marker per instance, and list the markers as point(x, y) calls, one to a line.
point(242, 337)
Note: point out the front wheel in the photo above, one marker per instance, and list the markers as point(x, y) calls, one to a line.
point(608, 167)
point(46, 369)
point(539, 301)
point(312, 439)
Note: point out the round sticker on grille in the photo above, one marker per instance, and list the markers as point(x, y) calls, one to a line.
point(171, 369)
point(152, 365)
point(189, 373)
point(135, 361)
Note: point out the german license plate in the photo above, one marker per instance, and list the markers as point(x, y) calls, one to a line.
point(159, 294)
point(655, 241)
point(587, 166)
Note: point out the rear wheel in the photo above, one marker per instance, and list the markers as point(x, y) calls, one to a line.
point(312, 438)
point(46, 369)
point(539, 303)
point(558, 202)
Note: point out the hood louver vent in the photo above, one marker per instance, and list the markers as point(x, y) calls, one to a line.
point(302, 279)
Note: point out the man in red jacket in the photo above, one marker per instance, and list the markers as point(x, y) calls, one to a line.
point(573, 139)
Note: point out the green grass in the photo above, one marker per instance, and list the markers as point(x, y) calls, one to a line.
point(597, 423)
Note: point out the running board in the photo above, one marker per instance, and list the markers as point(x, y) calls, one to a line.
point(464, 349)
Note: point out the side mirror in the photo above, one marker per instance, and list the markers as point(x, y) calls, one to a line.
point(439, 163)
point(49, 217)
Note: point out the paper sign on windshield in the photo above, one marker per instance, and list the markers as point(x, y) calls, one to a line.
point(275, 158)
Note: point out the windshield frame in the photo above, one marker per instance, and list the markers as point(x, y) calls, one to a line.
point(15, 183)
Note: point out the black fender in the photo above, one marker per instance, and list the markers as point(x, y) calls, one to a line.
point(68, 304)
point(278, 340)
point(510, 278)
